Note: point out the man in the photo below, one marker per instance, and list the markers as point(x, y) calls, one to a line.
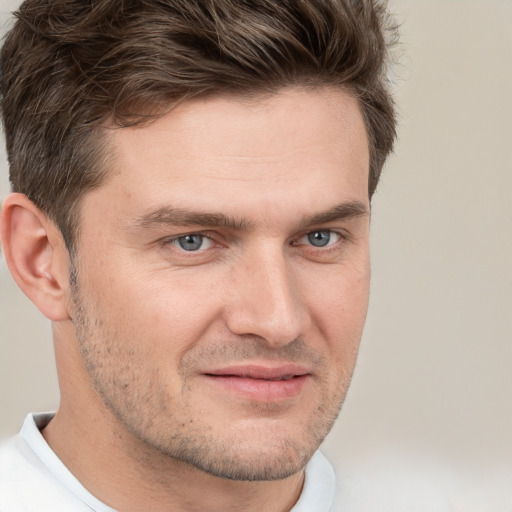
point(191, 202)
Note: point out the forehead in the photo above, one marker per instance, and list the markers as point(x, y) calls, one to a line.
point(254, 151)
point(257, 122)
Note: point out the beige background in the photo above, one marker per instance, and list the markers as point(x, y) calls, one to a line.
point(435, 369)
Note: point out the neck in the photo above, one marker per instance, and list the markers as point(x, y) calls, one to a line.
point(128, 474)
point(125, 474)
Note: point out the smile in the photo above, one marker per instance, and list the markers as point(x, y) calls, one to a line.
point(260, 383)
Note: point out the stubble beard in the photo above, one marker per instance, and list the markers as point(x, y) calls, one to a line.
point(141, 404)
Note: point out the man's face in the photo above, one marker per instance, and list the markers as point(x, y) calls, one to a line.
point(223, 273)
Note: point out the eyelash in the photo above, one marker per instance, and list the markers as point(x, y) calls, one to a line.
point(166, 242)
point(328, 245)
point(342, 236)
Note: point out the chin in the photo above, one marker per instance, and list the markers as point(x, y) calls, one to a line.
point(247, 451)
point(250, 464)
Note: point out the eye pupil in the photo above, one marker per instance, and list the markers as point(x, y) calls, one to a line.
point(190, 242)
point(319, 238)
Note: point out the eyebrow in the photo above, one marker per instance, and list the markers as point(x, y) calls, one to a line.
point(173, 216)
point(347, 210)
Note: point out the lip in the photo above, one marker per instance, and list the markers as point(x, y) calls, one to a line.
point(260, 383)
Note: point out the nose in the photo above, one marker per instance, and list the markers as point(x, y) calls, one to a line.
point(266, 300)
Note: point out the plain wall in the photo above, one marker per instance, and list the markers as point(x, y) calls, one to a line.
point(435, 367)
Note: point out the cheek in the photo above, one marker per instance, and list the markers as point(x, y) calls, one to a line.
point(339, 311)
point(165, 310)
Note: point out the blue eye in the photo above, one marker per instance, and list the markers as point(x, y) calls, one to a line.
point(191, 242)
point(319, 238)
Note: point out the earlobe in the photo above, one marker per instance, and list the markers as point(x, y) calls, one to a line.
point(36, 255)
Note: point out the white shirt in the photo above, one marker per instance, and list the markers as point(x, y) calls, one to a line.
point(32, 478)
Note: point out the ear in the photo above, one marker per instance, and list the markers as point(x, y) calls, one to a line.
point(36, 255)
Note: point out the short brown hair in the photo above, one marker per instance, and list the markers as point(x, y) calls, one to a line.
point(69, 65)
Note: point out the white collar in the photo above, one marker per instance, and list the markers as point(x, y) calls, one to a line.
point(317, 493)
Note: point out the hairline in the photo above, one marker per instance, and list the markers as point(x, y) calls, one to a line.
point(102, 143)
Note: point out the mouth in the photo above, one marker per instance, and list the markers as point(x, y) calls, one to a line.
point(260, 383)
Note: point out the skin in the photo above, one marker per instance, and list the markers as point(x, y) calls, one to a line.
point(144, 324)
